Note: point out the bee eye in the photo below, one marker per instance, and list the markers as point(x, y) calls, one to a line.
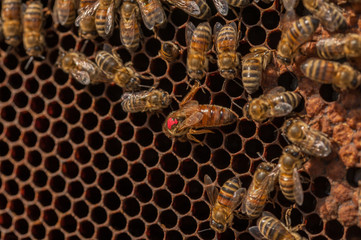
point(219, 226)
point(199, 72)
point(232, 71)
point(222, 71)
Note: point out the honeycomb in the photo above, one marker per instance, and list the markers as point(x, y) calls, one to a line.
point(75, 166)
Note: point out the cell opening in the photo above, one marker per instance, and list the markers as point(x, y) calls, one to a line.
point(169, 162)
point(233, 143)
point(119, 166)
point(253, 148)
point(10, 61)
point(75, 189)
point(21, 226)
point(80, 209)
point(17, 206)
point(215, 139)
point(57, 183)
point(68, 223)
point(54, 109)
point(20, 99)
point(136, 227)
point(59, 129)
point(84, 101)
point(177, 71)
point(93, 195)
point(143, 193)
point(247, 128)
point(43, 71)
point(118, 221)
point(88, 175)
point(86, 229)
point(138, 172)
point(194, 189)
point(200, 210)
point(188, 225)
point(111, 201)
point(273, 39)
point(314, 224)
point(321, 187)
point(106, 181)
point(72, 115)
point(131, 207)
point(175, 183)
point(158, 67)
point(144, 137)
point(288, 80)
point(131, 151)
point(309, 203)
point(256, 35)
point(44, 197)
point(113, 146)
point(77, 135)
point(221, 159)
point(82, 155)
point(181, 204)
point(250, 15)
point(162, 142)
point(125, 131)
point(334, 229)
point(99, 215)
point(65, 149)
point(188, 168)
point(353, 232)
point(201, 154)
point(124, 187)
point(38, 231)
point(270, 19)
point(241, 163)
point(12, 133)
point(66, 95)
point(140, 62)
point(328, 93)
point(95, 140)
point(5, 95)
point(162, 198)
point(22, 172)
point(62, 203)
point(102, 106)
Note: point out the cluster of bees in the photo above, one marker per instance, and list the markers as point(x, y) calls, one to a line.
point(97, 18)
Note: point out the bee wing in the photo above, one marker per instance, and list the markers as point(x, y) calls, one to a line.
point(216, 29)
point(191, 120)
point(129, 25)
point(297, 187)
point(212, 191)
point(81, 76)
point(65, 11)
point(189, 32)
point(109, 24)
point(189, 6)
point(148, 9)
point(281, 109)
point(222, 6)
point(289, 4)
point(254, 231)
point(237, 197)
point(318, 148)
point(86, 11)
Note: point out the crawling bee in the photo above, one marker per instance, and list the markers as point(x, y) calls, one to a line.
point(192, 118)
point(198, 42)
point(129, 25)
point(312, 142)
point(11, 21)
point(329, 14)
point(342, 76)
point(80, 67)
point(339, 46)
point(103, 10)
point(269, 227)
point(299, 32)
point(253, 65)
point(33, 37)
point(64, 12)
point(276, 103)
point(226, 45)
point(149, 100)
point(113, 67)
point(152, 13)
point(86, 22)
point(290, 161)
point(223, 203)
point(169, 51)
point(257, 194)
point(195, 8)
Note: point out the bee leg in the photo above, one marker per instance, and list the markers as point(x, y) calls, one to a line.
point(192, 138)
point(212, 59)
point(191, 93)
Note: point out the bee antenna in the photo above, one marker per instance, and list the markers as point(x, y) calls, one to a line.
point(204, 230)
point(28, 63)
point(234, 80)
point(236, 105)
point(84, 46)
point(261, 156)
point(146, 86)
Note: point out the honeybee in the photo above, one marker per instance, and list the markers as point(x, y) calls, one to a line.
point(152, 13)
point(226, 45)
point(129, 25)
point(149, 100)
point(342, 76)
point(269, 227)
point(339, 46)
point(169, 51)
point(195, 8)
point(223, 203)
point(198, 42)
point(253, 65)
point(113, 67)
point(86, 22)
point(103, 10)
point(80, 67)
point(257, 194)
point(276, 103)
point(289, 179)
point(329, 14)
point(299, 32)
point(65, 12)
point(33, 37)
point(11, 21)
point(312, 142)
point(192, 118)
point(238, 3)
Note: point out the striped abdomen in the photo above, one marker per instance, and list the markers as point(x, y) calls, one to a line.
point(106, 62)
point(300, 31)
point(66, 12)
point(129, 26)
point(287, 184)
point(320, 70)
point(135, 103)
point(331, 17)
point(204, 9)
point(314, 139)
point(33, 17)
point(87, 29)
point(101, 16)
point(273, 229)
point(214, 116)
point(11, 10)
point(227, 191)
point(201, 38)
point(84, 3)
point(169, 51)
point(288, 97)
point(227, 39)
point(238, 3)
point(251, 74)
point(255, 202)
point(330, 48)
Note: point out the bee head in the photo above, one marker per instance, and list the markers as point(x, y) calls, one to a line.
point(218, 227)
point(229, 73)
point(196, 74)
point(256, 109)
point(165, 99)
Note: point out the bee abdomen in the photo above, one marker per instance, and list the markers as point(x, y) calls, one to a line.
point(272, 229)
point(133, 104)
point(330, 49)
point(214, 116)
point(226, 39)
point(204, 9)
point(302, 30)
point(238, 3)
point(255, 205)
point(106, 62)
point(319, 70)
point(291, 98)
point(286, 185)
point(11, 9)
point(66, 11)
point(251, 75)
point(33, 17)
point(201, 38)
point(227, 191)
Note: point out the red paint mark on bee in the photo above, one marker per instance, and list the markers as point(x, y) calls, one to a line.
point(171, 122)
